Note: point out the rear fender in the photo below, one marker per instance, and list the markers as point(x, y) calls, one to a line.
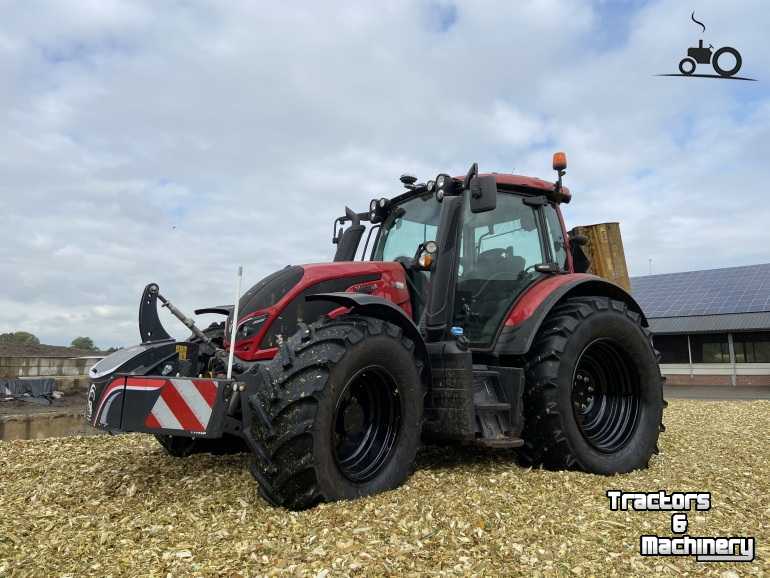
point(519, 331)
point(375, 306)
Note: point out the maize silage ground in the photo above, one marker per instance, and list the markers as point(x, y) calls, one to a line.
point(115, 506)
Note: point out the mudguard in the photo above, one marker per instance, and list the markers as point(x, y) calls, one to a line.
point(381, 308)
point(516, 336)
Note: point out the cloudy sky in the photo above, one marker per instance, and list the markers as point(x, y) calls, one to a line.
point(171, 141)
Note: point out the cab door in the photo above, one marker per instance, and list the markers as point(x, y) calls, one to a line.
point(499, 252)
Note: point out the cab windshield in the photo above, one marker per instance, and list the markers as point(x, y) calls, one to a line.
point(409, 224)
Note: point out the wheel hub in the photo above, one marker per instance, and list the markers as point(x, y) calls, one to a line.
point(583, 392)
point(366, 423)
point(353, 417)
point(605, 396)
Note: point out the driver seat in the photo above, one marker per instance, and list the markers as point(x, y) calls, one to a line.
point(495, 261)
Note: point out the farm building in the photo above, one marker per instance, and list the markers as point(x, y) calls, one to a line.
point(711, 327)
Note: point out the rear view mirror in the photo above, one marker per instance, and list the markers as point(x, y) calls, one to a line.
point(483, 191)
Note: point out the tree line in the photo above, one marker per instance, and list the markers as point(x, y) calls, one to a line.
point(26, 338)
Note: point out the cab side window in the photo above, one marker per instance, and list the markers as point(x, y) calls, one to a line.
point(499, 251)
point(556, 236)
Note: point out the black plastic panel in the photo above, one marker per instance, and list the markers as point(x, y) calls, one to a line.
point(269, 290)
point(308, 311)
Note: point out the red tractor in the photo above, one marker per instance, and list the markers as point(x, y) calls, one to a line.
point(465, 321)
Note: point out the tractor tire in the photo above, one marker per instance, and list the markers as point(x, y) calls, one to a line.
point(727, 72)
point(687, 66)
point(594, 395)
point(341, 414)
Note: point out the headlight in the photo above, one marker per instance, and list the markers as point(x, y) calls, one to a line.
point(373, 206)
point(250, 327)
point(440, 181)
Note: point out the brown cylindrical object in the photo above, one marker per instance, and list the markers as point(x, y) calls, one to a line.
point(605, 250)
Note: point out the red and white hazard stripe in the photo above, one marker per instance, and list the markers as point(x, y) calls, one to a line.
point(118, 386)
point(183, 404)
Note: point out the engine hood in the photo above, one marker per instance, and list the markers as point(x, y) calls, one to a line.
point(276, 304)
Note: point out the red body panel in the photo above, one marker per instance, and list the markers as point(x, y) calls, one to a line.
point(391, 286)
point(533, 297)
point(526, 182)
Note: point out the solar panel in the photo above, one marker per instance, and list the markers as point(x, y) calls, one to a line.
point(711, 292)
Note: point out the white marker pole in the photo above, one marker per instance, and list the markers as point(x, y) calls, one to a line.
point(234, 328)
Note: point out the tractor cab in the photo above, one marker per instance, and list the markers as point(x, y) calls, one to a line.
point(470, 246)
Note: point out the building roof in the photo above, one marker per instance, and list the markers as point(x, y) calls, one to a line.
point(713, 292)
point(711, 323)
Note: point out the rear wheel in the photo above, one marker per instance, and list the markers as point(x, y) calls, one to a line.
point(737, 61)
point(341, 416)
point(594, 398)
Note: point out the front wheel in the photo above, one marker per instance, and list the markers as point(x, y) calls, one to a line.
point(594, 398)
point(687, 66)
point(341, 415)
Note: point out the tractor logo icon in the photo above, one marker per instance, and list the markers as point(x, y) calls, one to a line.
point(726, 61)
point(700, 55)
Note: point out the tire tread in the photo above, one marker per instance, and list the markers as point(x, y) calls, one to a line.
point(544, 441)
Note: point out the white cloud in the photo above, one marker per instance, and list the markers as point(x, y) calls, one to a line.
point(170, 142)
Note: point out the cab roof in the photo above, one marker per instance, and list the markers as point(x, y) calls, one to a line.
point(531, 184)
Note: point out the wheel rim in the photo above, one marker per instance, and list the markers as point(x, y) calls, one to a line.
point(726, 71)
point(605, 396)
point(366, 423)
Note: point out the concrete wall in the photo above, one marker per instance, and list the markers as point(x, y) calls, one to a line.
point(44, 425)
point(71, 373)
point(716, 373)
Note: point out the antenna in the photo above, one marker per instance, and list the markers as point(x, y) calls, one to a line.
point(234, 328)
